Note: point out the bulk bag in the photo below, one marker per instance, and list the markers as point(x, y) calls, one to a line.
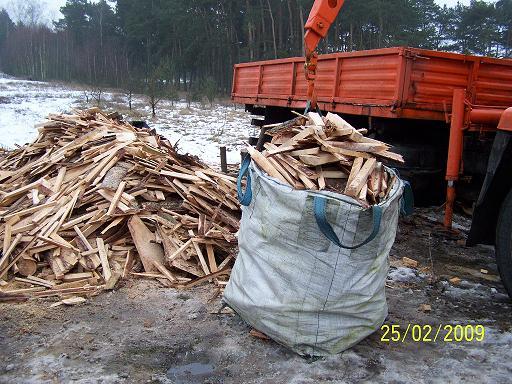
point(312, 265)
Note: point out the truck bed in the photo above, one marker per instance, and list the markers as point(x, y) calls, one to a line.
point(392, 82)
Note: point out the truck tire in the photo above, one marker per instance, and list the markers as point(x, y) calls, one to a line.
point(504, 243)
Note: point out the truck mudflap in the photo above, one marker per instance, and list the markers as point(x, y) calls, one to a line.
point(497, 183)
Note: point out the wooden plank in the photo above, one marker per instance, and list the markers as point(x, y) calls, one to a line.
point(316, 119)
point(113, 224)
point(199, 253)
point(128, 264)
point(59, 179)
point(342, 127)
point(34, 278)
point(293, 163)
point(265, 165)
point(334, 174)
point(24, 290)
point(182, 176)
point(211, 258)
point(78, 220)
point(391, 156)
point(57, 243)
point(308, 151)
point(164, 271)
point(149, 275)
point(308, 183)
point(361, 147)
point(107, 272)
point(68, 277)
point(327, 147)
point(116, 198)
point(83, 240)
point(289, 178)
point(180, 250)
point(11, 196)
point(90, 262)
point(356, 167)
point(340, 124)
point(12, 247)
point(201, 280)
point(305, 133)
point(188, 266)
point(354, 187)
point(280, 149)
point(144, 241)
point(29, 211)
point(6, 242)
point(321, 179)
point(107, 195)
point(363, 192)
point(32, 282)
point(320, 159)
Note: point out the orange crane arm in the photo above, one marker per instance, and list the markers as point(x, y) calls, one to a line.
point(322, 15)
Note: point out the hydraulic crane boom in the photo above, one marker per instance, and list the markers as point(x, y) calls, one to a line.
point(322, 15)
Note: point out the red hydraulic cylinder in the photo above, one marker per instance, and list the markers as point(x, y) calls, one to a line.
point(487, 116)
point(454, 152)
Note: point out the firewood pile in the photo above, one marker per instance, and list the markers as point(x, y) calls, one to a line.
point(94, 199)
point(327, 153)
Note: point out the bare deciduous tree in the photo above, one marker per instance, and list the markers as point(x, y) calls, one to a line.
point(30, 13)
point(96, 93)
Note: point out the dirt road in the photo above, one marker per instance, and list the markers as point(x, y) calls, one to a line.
point(145, 334)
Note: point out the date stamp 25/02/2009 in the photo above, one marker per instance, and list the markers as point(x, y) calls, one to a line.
point(447, 333)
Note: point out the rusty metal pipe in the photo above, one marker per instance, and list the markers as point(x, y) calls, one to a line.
point(450, 201)
point(485, 116)
point(454, 152)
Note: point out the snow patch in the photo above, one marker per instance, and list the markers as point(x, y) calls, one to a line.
point(404, 274)
point(468, 291)
point(198, 130)
point(24, 103)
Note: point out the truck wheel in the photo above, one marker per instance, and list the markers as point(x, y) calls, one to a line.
point(504, 243)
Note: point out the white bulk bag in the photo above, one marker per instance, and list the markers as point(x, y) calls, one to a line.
point(293, 282)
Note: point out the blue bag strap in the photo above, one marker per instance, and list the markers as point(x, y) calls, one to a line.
point(407, 203)
point(319, 204)
point(244, 197)
point(308, 108)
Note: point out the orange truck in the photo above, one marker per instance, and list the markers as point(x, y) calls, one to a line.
point(448, 114)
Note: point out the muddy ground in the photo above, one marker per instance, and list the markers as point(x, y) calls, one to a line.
point(142, 333)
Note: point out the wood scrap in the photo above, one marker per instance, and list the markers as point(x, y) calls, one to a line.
point(319, 153)
point(89, 199)
point(411, 263)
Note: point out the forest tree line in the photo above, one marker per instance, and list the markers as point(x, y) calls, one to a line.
point(191, 44)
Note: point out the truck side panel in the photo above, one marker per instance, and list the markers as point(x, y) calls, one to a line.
point(493, 85)
point(433, 80)
point(391, 82)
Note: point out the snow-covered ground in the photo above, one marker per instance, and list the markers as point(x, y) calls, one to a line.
point(25, 103)
point(201, 131)
point(198, 130)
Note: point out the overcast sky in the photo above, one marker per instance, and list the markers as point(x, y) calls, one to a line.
point(54, 5)
point(452, 2)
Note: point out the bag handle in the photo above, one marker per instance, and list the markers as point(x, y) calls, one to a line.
point(319, 204)
point(407, 202)
point(244, 197)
